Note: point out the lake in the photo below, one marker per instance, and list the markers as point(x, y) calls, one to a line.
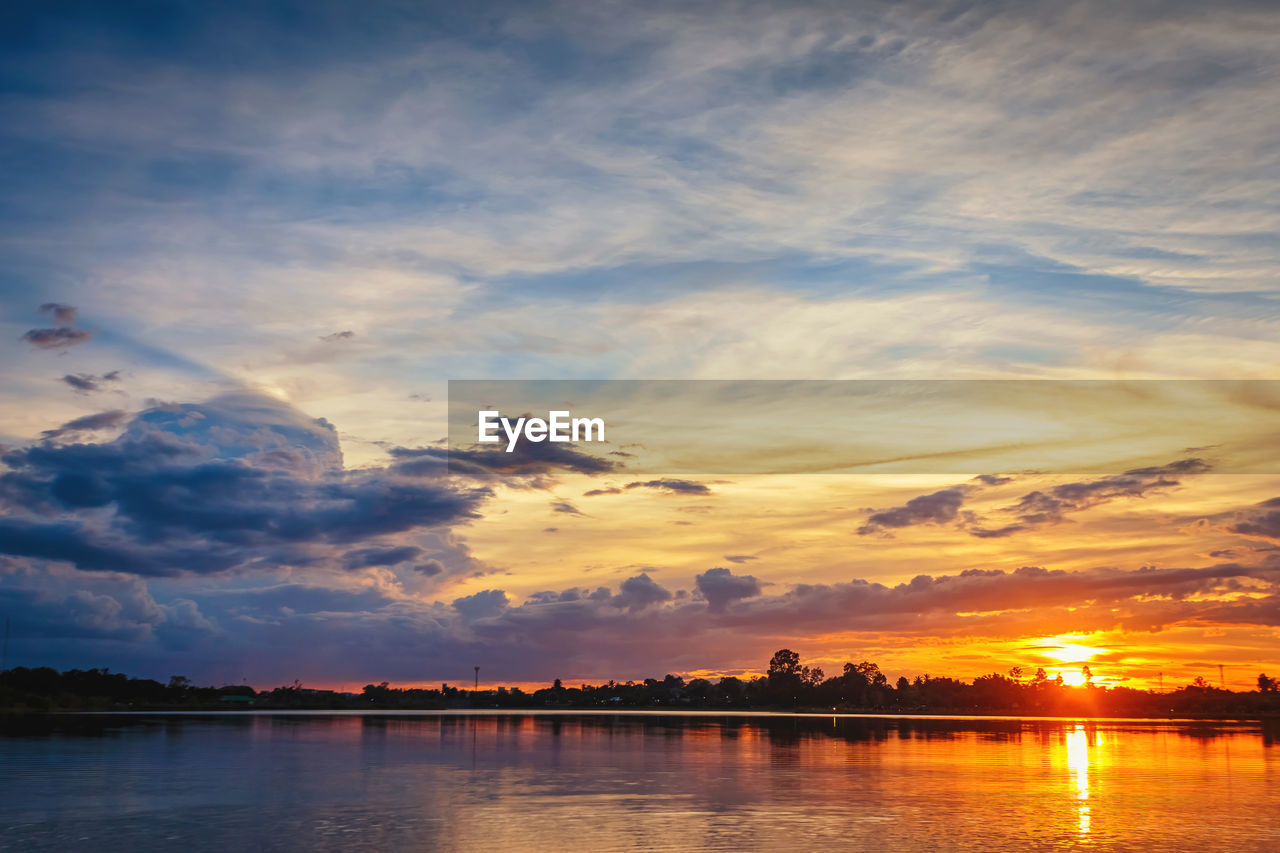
point(632, 781)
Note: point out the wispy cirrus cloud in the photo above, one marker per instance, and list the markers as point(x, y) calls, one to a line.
point(1014, 152)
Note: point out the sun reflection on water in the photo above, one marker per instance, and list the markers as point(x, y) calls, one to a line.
point(1078, 752)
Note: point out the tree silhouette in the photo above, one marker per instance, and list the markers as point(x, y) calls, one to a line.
point(784, 663)
point(871, 672)
point(812, 677)
point(786, 677)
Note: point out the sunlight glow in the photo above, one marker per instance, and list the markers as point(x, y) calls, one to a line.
point(1073, 652)
point(1072, 678)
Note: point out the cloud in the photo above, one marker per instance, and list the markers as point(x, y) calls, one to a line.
point(1033, 509)
point(567, 508)
point(591, 493)
point(87, 383)
point(363, 558)
point(288, 599)
point(1262, 521)
point(60, 338)
point(63, 337)
point(338, 336)
point(739, 558)
point(997, 532)
point(82, 382)
point(483, 605)
point(536, 463)
point(1051, 506)
point(642, 627)
point(721, 587)
point(637, 629)
point(637, 593)
point(938, 508)
point(239, 482)
point(87, 423)
point(1131, 484)
point(430, 568)
point(65, 605)
point(672, 486)
point(1030, 599)
point(65, 314)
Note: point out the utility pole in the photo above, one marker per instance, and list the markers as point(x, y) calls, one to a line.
point(1222, 677)
point(477, 684)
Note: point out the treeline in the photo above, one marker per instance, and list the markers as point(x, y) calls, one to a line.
point(862, 687)
point(46, 689)
point(787, 685)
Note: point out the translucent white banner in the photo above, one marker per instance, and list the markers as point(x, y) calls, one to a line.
point(864, 426)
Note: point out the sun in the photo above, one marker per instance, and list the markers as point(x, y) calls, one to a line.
point(1067, 649)
point(1073, 678)
point(1073, 653)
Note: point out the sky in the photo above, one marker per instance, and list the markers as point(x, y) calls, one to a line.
point(246, 245)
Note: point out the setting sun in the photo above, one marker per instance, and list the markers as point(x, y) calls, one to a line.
point(1067, 652)
point(1072, 678)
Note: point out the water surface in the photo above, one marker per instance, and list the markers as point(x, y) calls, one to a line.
point(602, 782)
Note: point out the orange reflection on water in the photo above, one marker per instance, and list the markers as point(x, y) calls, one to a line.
point(1081, 747)
point(734, 782)
point(1078, 762)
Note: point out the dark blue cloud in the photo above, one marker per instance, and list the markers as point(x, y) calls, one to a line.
point(211, 487)
point(45, 608)
point(483, 605)
point(364, 558)
point(281, 598)
point(528, 460)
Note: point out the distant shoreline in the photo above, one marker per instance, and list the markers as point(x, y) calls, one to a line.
point(789, 688)
point(704, 713)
